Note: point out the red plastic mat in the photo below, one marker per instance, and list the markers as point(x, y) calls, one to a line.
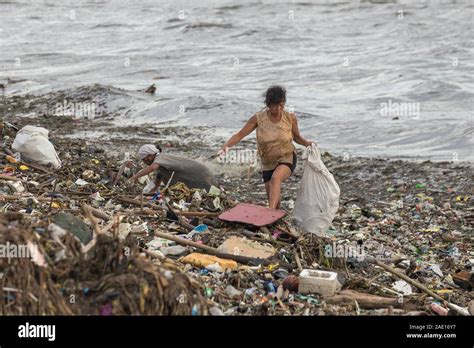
point(252, 214)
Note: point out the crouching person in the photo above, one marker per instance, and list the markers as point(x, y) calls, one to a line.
point(149, 155)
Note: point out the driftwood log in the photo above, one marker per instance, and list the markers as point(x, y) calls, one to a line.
point(366, 301)
point(420, 286)
point(213, 251)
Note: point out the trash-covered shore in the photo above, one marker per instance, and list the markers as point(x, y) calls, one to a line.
point(401, 242)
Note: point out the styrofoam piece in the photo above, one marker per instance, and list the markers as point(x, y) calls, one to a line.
point(318, 282)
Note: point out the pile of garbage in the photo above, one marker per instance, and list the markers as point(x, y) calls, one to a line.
point(46, 270)
point(97, 244)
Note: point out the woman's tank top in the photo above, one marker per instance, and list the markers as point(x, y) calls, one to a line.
point(274, 140)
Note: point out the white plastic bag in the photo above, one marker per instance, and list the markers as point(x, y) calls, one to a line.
point(150, 184)
point(33, 145)
point(318, 197)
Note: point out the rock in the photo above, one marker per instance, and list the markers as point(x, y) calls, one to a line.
point(470, 307)
point(75, 226)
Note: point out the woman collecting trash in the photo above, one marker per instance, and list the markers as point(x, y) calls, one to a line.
point(276, 130)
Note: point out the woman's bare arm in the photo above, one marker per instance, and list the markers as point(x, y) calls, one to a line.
point(297, 137)
point(249, 127)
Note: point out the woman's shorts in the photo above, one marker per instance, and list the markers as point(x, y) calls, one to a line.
point(267, 174)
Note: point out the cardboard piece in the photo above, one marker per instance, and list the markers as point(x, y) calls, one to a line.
point(245, 247)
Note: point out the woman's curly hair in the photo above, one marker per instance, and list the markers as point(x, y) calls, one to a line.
point(275, 95)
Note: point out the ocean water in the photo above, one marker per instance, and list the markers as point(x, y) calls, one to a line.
point(370, 78)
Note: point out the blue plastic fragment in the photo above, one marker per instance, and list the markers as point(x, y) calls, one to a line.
point(201, 228)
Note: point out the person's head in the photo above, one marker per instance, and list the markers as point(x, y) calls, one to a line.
point(149, 159)
point(147, 153)
point(275, 99)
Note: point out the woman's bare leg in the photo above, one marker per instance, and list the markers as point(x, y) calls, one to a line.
point(267, 187)
point(280, 174)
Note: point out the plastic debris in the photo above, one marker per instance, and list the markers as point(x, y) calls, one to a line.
point(252, 214)
point(175, 250)
point(318, 197)
point(124, 230)
point(36, 255)
point(233, 292)
point(320, 282)
point(437, 270)
point(33, 144)
point(214, 191)
point(97, 197)
point(402, 287)
point(17, 186)
point(201, 228)
point(216, 311)
point(81, 182)
point(422, 232)
point(204, 260)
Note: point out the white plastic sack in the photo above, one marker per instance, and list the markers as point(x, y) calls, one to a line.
point(33, 145)
point(318, 197)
